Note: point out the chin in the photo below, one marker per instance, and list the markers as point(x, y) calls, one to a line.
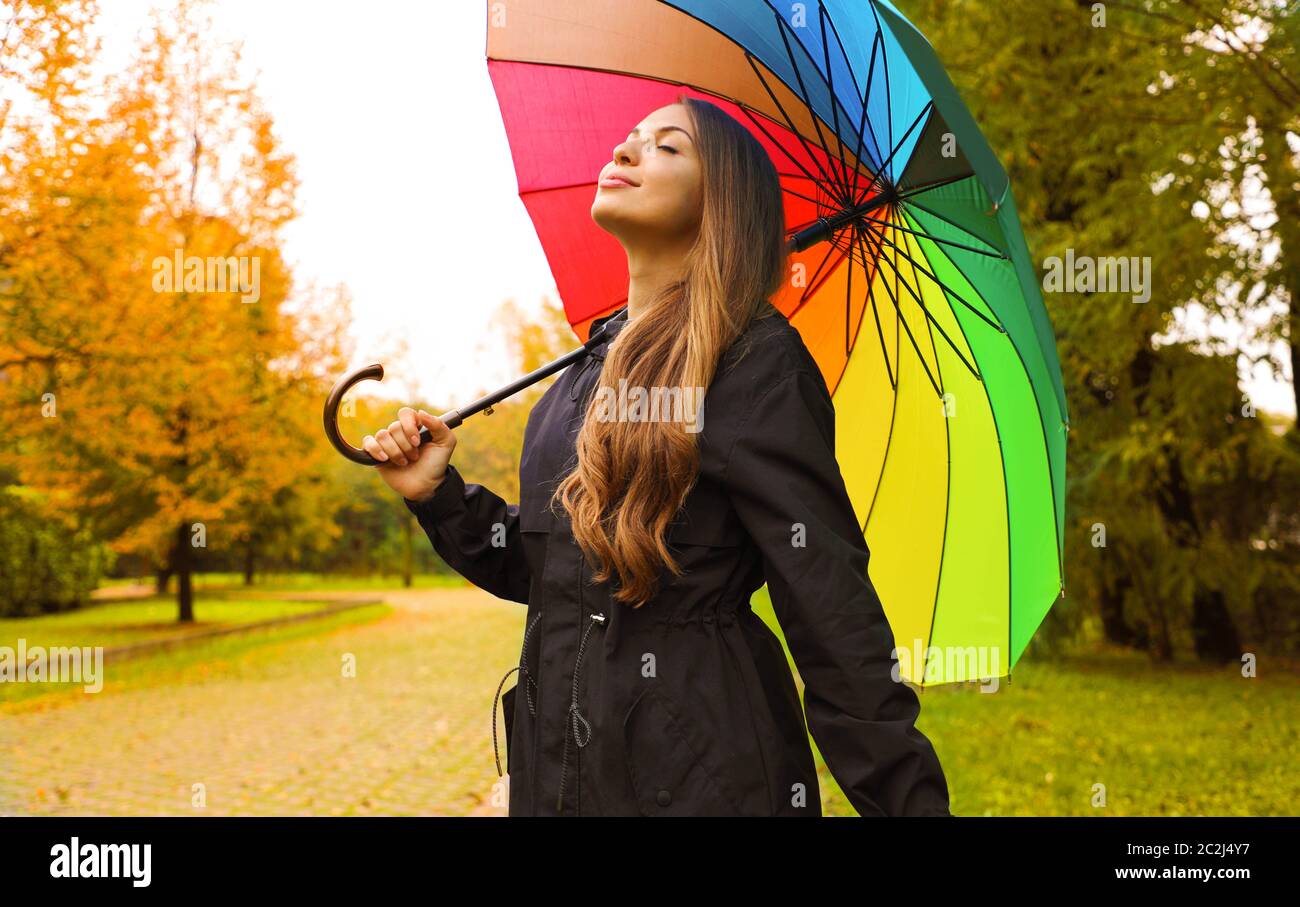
point(606, 219)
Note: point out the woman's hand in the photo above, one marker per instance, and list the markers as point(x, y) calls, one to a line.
point(413, 471)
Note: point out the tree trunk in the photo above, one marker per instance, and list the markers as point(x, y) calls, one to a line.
point(1295, 349)
point(1213, 631)
point(1214, 634)
point(1114, 627)
point(250, 557)
point(181, 564)
point(1283, 179)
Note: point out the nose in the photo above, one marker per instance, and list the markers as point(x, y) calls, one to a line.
point(623, 151)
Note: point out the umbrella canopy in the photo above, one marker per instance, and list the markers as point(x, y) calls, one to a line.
point(911, 283)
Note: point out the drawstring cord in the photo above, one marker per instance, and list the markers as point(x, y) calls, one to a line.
point(529, 685)
point(581, 727)
point(579, 723)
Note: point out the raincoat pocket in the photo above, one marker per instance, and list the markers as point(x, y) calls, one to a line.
point(664, 761)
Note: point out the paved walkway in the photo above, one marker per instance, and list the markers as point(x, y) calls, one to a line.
point(281, 731)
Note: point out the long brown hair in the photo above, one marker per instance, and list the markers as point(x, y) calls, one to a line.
point(633, 476)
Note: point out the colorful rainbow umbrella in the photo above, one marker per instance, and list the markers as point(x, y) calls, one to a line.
point(911, 283)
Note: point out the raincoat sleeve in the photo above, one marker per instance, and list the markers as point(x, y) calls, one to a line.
point(477, 534)
point(781, 475)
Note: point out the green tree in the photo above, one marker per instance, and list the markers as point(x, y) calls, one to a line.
point(1115, 148)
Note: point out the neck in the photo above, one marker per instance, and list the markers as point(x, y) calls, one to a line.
point(649, 271)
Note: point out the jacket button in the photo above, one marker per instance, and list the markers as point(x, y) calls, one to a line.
point(664, 798)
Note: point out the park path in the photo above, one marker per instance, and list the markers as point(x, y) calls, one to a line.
point(280, 730)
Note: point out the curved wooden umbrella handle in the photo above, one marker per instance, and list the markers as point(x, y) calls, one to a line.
point(355, 454)
point(454, 417)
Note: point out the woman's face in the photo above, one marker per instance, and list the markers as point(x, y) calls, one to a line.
point(664, 197)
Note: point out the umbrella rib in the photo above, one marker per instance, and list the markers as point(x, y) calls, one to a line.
point(789, 125)
point(805, 198)
point(933, 238)
point(1002, 465)
point(947, 492)
point(952, 223)
point(848, 306)
point(917, 188)
point(870, 275)
point(893, 403)
point(928, 187)
point(899, 311)
point(871, 295)
point(895, 150)
point(558, 188)
point(818, 278)
point(884, 57)
point(815, 284)
point(923, 306)
point(898, 316)
point(938, 366)
point(803, 95)
point(947, 288)
point(797, 176)
point(835, 108)
point(803, 225)
point(866, 97)
point(862, 120)
point(1047, 455)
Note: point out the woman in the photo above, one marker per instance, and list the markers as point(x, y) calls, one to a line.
point(650, 686)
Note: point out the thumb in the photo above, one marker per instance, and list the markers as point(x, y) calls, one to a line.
point(437, 428)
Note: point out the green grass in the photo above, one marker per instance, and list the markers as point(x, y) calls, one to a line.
point(1161, 739)
point(1111, 734)
point(218, 656)
point(121, 622)
point(116, 623)
point(306, 582)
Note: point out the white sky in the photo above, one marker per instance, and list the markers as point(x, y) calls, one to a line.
point(408, 193)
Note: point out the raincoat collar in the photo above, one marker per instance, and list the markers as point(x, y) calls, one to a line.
point(597, 342)
point(616, 320)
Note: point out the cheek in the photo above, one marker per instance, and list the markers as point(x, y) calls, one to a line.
point(691, 198)
point(681, 191)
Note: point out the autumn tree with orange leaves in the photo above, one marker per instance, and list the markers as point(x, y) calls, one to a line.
point(139, 388)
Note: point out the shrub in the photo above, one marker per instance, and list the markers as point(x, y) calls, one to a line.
point(47, 562)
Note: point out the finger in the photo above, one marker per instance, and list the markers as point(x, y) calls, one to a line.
point(403, 440)
point(390, 445)
point(371, 446)
point(410, 424)
point(438, 430)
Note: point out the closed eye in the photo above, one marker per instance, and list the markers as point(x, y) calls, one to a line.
point(668, 148)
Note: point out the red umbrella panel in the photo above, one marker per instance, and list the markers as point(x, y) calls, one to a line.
point(563, 123)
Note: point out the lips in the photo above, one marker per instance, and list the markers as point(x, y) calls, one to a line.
point(616, 179)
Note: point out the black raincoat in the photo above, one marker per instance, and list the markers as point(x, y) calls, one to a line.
point(687, 705)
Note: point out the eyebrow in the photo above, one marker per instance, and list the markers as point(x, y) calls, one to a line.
point(663, 129)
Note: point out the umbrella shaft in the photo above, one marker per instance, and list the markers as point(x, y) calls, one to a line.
point(515, 386)
point(826, 227)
